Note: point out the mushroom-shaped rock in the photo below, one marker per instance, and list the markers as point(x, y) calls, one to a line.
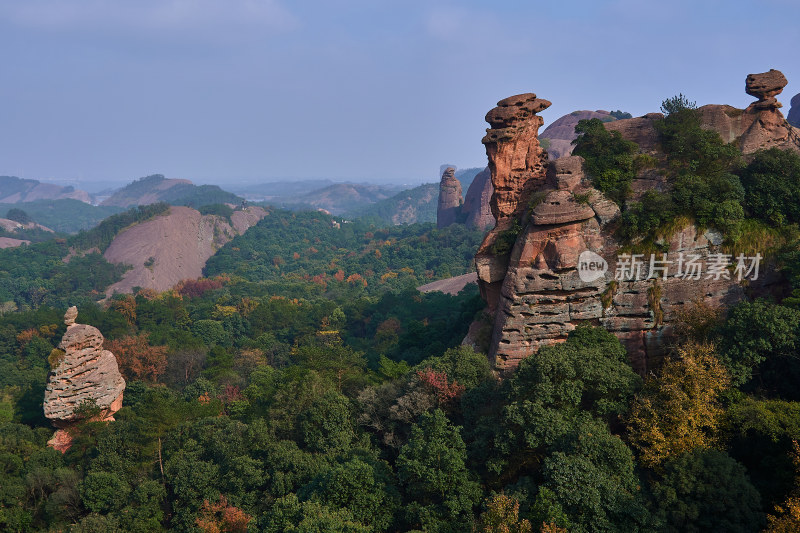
point(515, 109)
point(565, 172)
point(766, 86)
point(560, 207)
point(84, 374)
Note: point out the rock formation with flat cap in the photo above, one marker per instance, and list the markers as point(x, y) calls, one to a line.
point(84, 374)
point(766, 86)
point(530, 268)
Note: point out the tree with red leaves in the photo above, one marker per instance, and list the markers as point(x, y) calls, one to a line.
point(222, 518)
point(137, 359)
point(438, 383)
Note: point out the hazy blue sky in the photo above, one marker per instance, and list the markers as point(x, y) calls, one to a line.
point(226, 90)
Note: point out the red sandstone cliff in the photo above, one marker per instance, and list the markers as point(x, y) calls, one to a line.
point(528, 264)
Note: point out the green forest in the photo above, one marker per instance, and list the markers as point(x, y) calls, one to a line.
point(305, 385)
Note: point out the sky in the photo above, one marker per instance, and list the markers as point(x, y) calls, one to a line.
point(232, 91)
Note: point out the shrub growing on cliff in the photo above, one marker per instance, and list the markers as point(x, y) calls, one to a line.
point(772, 186)
point(610, 159)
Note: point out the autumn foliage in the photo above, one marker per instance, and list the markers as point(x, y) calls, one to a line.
point(137, 359)
point(502, 516)
point(194, 288)
point(787, 515)
point(678, 409)
point(437, 381)
point(222, 518)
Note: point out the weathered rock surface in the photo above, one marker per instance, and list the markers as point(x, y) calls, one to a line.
point(477, 201)
point(84, 373)
point(528, 265)
point(450, 199)
point(766, 86)
point(794, 112)
point(515, 156)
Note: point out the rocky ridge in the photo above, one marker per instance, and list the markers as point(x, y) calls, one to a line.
point(82, 373)
point(550, 217)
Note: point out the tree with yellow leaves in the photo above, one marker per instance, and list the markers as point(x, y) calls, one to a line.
point(678, 409)
point(787, 515)
point(502, 516)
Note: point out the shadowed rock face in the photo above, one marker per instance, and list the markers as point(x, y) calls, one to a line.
point(794, 112)
point(528, 265)
point(450, 199)
point(85, 373)
point(477, 201)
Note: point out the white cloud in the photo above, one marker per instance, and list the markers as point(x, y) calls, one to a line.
point(154, 15)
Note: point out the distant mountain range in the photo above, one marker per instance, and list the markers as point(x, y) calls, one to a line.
point(157, 188)
point(14, 190)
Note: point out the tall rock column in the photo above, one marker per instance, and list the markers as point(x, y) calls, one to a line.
point(517, 166)
point(83, 375)
point(450, 199)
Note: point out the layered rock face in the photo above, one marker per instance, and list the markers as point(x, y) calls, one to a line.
point(477, 202)
point(794, 113)
point(517, 166)
point(85, 373)
point(450, 199)
point(552, 262)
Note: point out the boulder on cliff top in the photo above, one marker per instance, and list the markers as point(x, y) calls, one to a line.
point(515, 109)
point(765, 85)
point(84, 374)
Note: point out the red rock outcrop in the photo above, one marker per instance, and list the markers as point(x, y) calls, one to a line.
point(477, 206)
point(760, 126)
point(517, 167)
point(450, 199)
point(83, 374)
point(794, 112)
point(552, 261)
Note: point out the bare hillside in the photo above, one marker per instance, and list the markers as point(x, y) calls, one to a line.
point(173, 247)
